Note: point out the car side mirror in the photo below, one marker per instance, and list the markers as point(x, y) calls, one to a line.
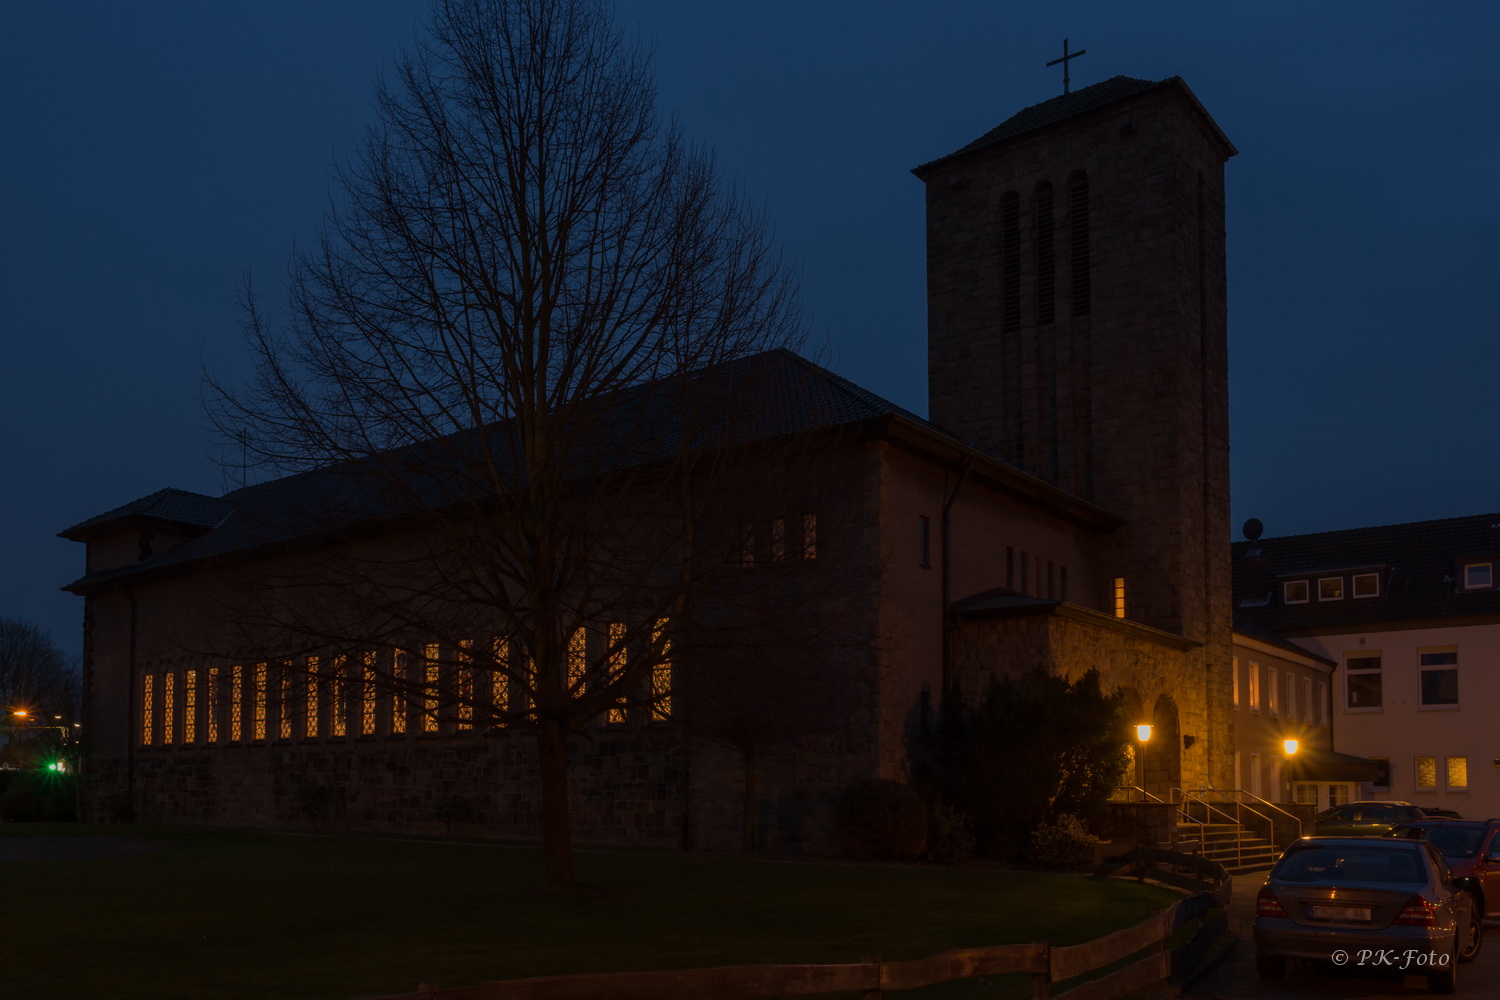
point(1494, 854)
point(1468, 883)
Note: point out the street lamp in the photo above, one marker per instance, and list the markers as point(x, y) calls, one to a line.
point(1290, 746)
point(1143, 732)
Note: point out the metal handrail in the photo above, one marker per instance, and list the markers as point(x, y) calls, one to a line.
point(1270, 805)
point(1138, 788)
point(1237, 821)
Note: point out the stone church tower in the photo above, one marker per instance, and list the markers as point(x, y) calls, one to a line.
point(1077, 328)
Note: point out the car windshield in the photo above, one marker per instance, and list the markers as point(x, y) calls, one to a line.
point(1351, 864)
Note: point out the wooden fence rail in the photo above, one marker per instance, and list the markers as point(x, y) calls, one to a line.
point(1046, 965)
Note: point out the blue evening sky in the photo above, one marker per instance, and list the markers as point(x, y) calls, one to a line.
point(157, 151)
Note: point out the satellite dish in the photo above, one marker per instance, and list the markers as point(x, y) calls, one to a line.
point(1253, 528)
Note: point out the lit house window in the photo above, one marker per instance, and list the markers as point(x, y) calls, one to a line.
point(1273, 689)
point(1234, 675)
point(1479, 576)
point(1254, 686)
point(1294, 592)
point(1363, 681)
point(1331, 588)
point(1439, 670)
point(1427, 772)
point(147, 682)
point(1457, 773)
point(1119, 603)
point(1366, 585)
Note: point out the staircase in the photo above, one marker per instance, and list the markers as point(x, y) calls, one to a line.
point(1232, 845)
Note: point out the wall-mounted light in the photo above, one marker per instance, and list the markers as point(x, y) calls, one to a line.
point(1143, 732)
point(1290, 746)
point(1188, 741)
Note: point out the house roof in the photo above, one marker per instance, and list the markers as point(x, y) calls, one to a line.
point(175, 506)
point(771, 395)
point(1418, 565)
point(1249, 628)
point(1115, 90)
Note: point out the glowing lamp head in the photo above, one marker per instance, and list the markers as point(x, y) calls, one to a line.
point(1290, 746)
point(20, 713)
point(1143, 732)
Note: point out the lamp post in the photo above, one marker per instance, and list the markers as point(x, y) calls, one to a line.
point(1143, 736)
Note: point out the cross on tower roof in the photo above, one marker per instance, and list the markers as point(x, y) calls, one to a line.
point(1064, 60)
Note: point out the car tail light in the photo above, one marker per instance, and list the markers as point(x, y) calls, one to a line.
point(1267, 905)
point(1417, 913)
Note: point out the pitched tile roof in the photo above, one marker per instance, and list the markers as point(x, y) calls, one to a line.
point(1248, 627)
point(178, 506)
point(1072, 105)
point(767, 396)
point(1418, 564)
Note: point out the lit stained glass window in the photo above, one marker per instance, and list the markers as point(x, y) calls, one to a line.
point(338, 722)
point(398, 694)
point(499, 679)
point(190, 706)
point(617, 663)
point(258, 704)
point(284, 702)
point(430, 701)
point(312, 698)
point(236, 705)
point(661, 674)
point(168, 705)
point(147, 682)
point(465, 683)
point(367, 697)
point(211, 706)
point(578, 661)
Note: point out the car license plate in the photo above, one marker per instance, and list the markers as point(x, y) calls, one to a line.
point(1349, 913)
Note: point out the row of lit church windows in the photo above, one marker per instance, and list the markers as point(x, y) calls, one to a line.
point(328, 697)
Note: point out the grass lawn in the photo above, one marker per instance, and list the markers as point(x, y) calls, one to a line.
point(250, 914)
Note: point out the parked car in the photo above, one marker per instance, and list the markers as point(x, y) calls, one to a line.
point(1341, 900)
point(1364, 819)
point(1471, 847)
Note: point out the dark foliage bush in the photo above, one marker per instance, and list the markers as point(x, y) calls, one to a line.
point(20, 804)
point(1062, 842)
point(882, 820)
point(1031, 749)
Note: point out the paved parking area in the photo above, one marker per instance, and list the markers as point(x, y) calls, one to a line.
point(1235, 978)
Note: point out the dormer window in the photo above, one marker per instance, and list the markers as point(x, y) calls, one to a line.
point(1366, 585)
point(1294, 592)
point(1331, 588)
point(1479, 576)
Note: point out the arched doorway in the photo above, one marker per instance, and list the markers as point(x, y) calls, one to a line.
point(1161, 754)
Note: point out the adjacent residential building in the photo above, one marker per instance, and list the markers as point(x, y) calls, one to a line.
point(1408, 615)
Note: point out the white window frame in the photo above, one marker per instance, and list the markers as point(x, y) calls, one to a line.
point(1489, 574)
point(1307, 699)
point(1286, 592)
point(1234, 674)
point(1449, 786)
point(1273, 692)
point(1254, 677)
point(1424, 669)
point(1349, 673)
point(1322, 703)
point(1331, 579)
point(1354, 585)
point(1291, 695)
point(1416, 775)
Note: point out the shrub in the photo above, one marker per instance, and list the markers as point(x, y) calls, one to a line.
point(882, 819)
point(948, 838)
point(19, 804)
point(1062, 842)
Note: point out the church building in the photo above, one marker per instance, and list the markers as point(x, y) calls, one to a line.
point(1064, 506)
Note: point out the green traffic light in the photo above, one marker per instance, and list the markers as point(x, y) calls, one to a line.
point(52, 766)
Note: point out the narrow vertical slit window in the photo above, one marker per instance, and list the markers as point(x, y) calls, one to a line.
point(1119, 597)
point(618, 661)
point(661, 674)
point(1046, 265)
point(338, 721)
point(147, 683)
point(311, 728)
point(284, 702)
point(236, 703)
point(367, 702)
point(168, 706)
point(809, 536)
point(1010, 260)
point(190, 706)
point(1078, 193)
point(430, 689)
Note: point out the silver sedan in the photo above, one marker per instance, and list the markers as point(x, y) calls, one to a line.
point(1380, 903)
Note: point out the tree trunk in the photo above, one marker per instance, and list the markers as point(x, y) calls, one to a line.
point(747, 829)
point(557, 845)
